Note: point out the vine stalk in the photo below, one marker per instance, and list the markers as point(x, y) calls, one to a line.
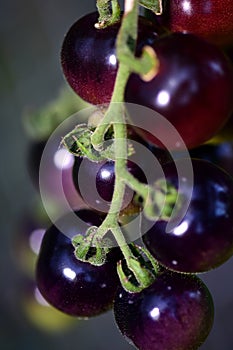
point(115, 116)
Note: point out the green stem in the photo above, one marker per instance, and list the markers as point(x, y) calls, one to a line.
point(108, 16)
point(128, 28)
point(134, 184)
point(119, 237)
point(118, 96)
point(115, 115)
point(116, 112)
point(116, 10)
point(120, 146)
point(147, 66)
point(103, 9)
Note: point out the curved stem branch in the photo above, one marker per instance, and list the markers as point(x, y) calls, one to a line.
point(139, 187)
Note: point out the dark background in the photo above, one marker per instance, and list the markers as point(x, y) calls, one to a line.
point(31, 33)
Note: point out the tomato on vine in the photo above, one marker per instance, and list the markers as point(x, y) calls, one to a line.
point(86, 264)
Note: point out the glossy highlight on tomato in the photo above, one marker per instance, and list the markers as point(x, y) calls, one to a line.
point(212, 19)
point(94, 182)
point(203, 237)
point(193, 90)
point(175, 313)
point(88, 56)
point(74, 287)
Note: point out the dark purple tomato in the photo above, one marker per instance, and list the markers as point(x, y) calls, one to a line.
point(219, 154)
point(175, 313)
point(193, 90)
point(203, 237)
point(212, 19)
point(74, 287)
point(226, 133)
point(95, 182)
point(229, 52)
point(88, 56)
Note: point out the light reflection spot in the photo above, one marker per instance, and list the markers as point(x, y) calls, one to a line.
point(113, 60)
point(105, 174)
point(181, 229)
point(155, 313)
point(63, 159)
point(187, 7)
point(163, 98)
point(69, 273)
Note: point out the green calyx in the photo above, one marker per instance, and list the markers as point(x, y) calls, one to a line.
point(139, 271)
point(79, 143)
point(89, 248)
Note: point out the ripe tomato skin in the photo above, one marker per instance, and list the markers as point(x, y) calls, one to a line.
point(67, 283)
point(212, 19)
point(193, 90)
point(88, 56)
point(176, 312)
point(203, 237)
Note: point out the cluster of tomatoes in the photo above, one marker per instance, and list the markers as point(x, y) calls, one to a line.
point(193, 90)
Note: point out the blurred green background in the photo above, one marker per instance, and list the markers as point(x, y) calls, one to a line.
point(31, 33)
